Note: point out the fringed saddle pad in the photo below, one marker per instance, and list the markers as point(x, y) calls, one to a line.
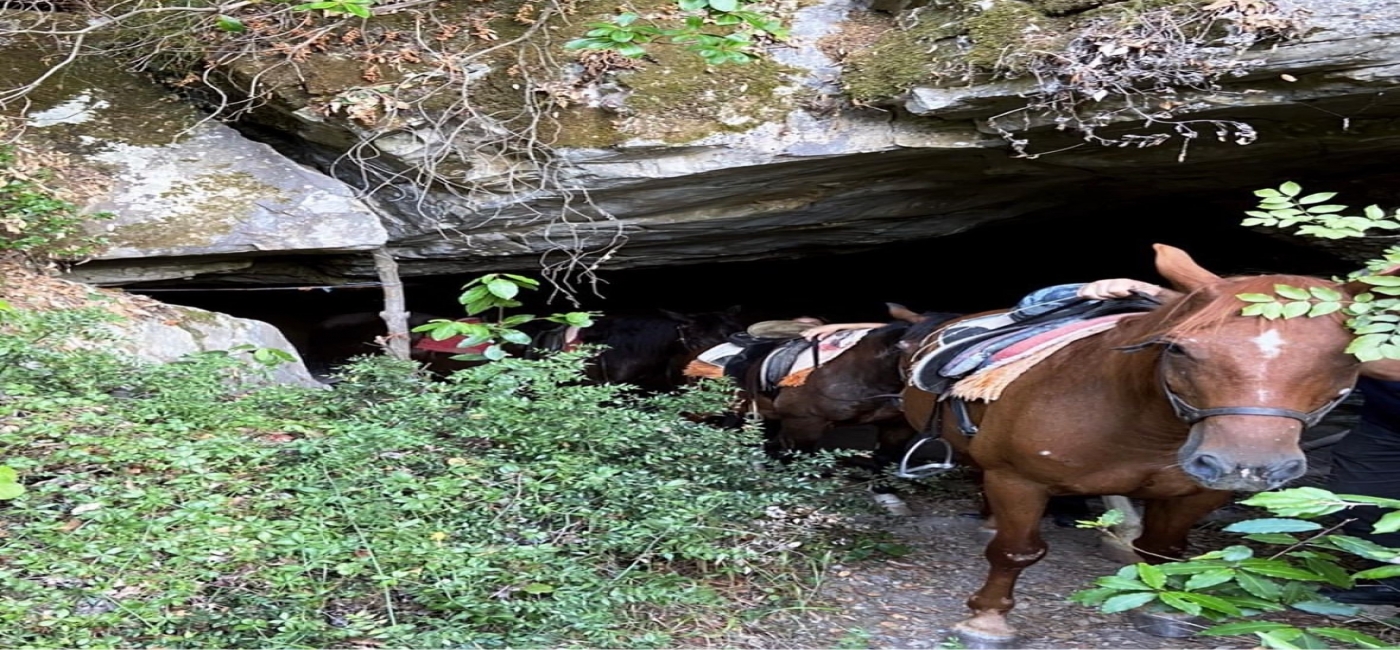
point(803, 362)
point(962, 348)
point(1007, 365)
point(710, 363)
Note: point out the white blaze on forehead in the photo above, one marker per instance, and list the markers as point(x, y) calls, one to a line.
point(1270, 344)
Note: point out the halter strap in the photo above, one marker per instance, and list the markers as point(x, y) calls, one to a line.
point(1192, 415)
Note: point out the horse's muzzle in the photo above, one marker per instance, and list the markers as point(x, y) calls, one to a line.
point(1222, 473)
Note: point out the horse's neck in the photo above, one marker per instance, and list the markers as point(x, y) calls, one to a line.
point(1129, 379)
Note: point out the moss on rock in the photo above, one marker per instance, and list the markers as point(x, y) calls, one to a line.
point(1000, 32)
point(897, 61)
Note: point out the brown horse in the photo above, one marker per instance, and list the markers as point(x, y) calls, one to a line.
point(1178, 406)
point(860, 386)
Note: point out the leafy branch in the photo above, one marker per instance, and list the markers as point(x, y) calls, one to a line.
point(1237, 583)
point(740, 30)
point(1374, 316)
point(498, 292)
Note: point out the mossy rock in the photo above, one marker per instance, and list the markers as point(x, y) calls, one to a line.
point(898, 60)
point(1062, 7)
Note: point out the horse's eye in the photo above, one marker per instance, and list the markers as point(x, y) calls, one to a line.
point(1176, 350)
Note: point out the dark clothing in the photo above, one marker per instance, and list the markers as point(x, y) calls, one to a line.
point(1367, 460)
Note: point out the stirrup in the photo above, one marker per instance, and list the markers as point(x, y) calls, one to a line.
point(931, 469)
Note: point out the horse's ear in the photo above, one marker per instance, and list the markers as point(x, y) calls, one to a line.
point(674, 315)
point(1358, 287)
point(1183, 272)
point(900, 312)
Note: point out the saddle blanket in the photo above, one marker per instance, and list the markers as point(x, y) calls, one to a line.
point(777, 371)
point(1006, 365)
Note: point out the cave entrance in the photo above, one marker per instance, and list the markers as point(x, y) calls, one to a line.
point(983, 268)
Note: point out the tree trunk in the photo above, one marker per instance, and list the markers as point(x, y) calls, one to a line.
point(395, 315)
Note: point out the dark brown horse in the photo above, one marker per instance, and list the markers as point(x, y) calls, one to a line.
point(650, 351)
point(861, 386)
point(1178, 406)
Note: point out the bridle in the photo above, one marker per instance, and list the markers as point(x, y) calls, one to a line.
point(1191, 414)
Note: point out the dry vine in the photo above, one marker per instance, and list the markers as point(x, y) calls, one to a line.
point(487, 160)
point(1145, 71)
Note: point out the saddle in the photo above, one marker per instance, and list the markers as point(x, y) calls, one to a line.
point(1047, 319)
point(783, 360)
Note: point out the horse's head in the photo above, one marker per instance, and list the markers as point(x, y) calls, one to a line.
point(1246, 385)
point(702, 331)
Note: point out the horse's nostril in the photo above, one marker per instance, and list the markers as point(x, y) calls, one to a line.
point(1205, 466)
point(1288, 470)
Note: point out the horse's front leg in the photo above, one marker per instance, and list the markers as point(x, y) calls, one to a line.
point(1166, 522)
point(1018, 506)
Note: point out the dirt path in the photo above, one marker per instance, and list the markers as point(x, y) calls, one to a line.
point(914, 600)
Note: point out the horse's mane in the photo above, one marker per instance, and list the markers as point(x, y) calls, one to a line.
point(1211, 307)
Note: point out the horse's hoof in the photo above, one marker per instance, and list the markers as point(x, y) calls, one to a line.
point(894, 505)
point(981, 632)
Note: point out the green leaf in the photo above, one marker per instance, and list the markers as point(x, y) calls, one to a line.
point(1350, 637)
point(1209, 578)
point(503, 288)
point(1291, 292)
point(359, 10)
point(1364, 548)
point(1297, 502)
point(1175, 599)
point(230, 24)
point(632, 50)
point(693, 5)
point(1389, 523)
point(1258, 587)
point(1273, 538)
point(515, 336)
point(1326, 209)
point(1290, 188)
point(11, 490)
point(1279, 569)
point(1281, 639)
point(1272, 526)
point(1092, 597)
point(1236, 553)
point(578, 319)
point(625, 19)
point(1272, 310)
point(724, 5)
point(1152, 575)
point(1211, 602)
point(1266, 192)
point(1127, 601)
point(1325, 607)
point(1381, 280)
point(538, 588)
point(620, 36)
point(1244, 627)
point(1256, 297)
point(1316, 198)
point(1296, 309)
point(1388, 571)
point(1329, 571)
point(1374, 212)
point(494, 353)
point(1122, 584)
point(1254, 309)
